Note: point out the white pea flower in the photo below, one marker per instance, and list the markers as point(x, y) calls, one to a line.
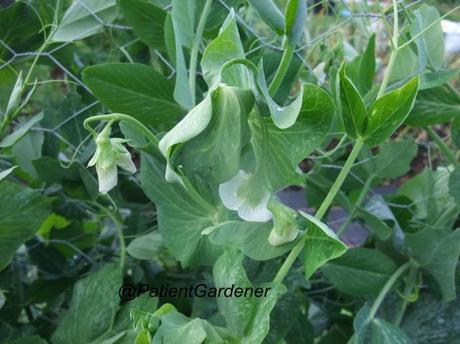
point(109, 154)
point(285, 228)
point(246, 194)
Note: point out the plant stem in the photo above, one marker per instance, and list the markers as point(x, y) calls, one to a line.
point(386, 288)
point(195, 49)
point(282, 272)
point(394, 51)
point(122, 117)
point(443, 146)
point(411, 279)
point(282, 68)
point(357, 204)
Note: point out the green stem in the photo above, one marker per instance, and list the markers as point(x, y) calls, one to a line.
point(443, 146)
point(287, 264)
point(394, 51)
point(386, 288)
point(410, 283)
point(282, 68)
point(195, 49)
point(122, 117)
point(359, 201)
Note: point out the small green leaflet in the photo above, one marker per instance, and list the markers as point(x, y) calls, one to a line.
point(321, 245)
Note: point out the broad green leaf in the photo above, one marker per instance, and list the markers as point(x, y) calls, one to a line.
point(251, 238)
point(22, 211)
point(215, 153)
point(27, 149)
point(353, 108)
point(394, 158)
point(147, 21)
point(388, 112)
point(146, 247)
point(280, 150)
point(455, 132)
point(84, 322)
point(362, 69)
point(321, 245)
point(84, 18)
point(430, 44)
point(359, 272)
point(441, 321)
point(182, 216)
point(20, 29)
point(134, 89)
point(437, 78)
point(295, 18)
point(454, 184)
point(406, 63)
point(429, 192)
point(7, 172)
point(437, 251)
point(19, 132)
point(249, 317)
point(434, 106)
point(270, 14)
point(225, 47)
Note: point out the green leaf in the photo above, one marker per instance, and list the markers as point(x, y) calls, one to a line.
point(77, 326)
point(437, 78)
point(182, 91)
point(270, 14)
point(394, 158)
point(249, 317)
point(295, 16)
point(146, 20)
point(251, 238)
point(353, 108)
point(388, 112)
point(434, 106)
point(225, 47)
point(377, 225)
point(281, 150)
point(430, 44)
point(6, 173)
point(28, 340)
point(82, 20)
point(185, 17)
point(134, 89)
point(384, 332)
point(20, 29)
point(437, 251)
point(454, 184)
point(16, 135)
point(285, 117)
point(321, 245)
point(455, 131)
point(27, 149)
point(146, 247)
point(182, 216)
point(441, 321)
point(359, 272)
point(22, 211)
point(362, 69)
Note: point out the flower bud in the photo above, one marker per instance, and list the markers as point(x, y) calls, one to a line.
point(285, 228)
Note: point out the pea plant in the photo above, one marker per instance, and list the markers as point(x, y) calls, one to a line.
point(228, 171)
